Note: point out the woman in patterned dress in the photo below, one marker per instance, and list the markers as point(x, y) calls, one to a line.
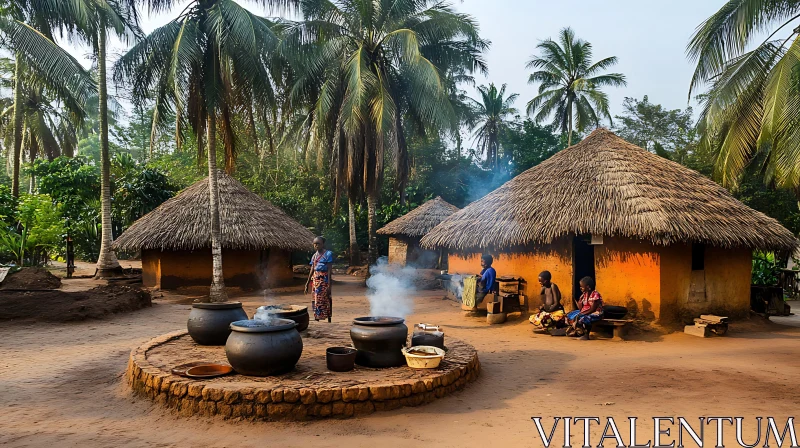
point(320, 280)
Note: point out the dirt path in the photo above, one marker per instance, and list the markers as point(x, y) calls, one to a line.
point(60, 384)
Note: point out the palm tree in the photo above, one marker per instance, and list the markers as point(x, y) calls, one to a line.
point(49, 127)
point(206, 65)
point(491, 117)
point(377, 68)
point(27, 28)
point(99, 17)
point(751, 106)
point(570, 84)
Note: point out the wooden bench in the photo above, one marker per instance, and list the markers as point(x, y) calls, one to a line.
point(619, 327)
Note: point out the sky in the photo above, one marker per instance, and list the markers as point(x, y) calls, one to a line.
point(649, 38)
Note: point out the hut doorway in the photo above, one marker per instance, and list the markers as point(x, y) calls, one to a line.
point(582, 263)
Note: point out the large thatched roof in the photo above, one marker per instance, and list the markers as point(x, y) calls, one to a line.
point(246, 222)
point(605, 185)
point(421, 220)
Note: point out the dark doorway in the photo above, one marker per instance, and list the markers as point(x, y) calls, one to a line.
point(582, 263)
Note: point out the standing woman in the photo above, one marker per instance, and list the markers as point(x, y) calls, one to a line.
point(320, 280)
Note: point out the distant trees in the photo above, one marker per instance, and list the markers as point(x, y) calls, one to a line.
point(491, 114)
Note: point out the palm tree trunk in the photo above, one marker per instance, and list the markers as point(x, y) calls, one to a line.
point(17, 125)
point(107, 263)
point(217, 293)
point(372, 206)
point(355, 253)
point(569, 135)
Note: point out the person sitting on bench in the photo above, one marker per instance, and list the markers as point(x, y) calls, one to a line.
point(551, 312)
point(590, 310)
point(488, 282)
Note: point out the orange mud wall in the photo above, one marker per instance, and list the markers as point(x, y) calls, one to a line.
point(726, 282)
point(556, 258)
point(628, 274)
point(249, 269)
point(653, 282)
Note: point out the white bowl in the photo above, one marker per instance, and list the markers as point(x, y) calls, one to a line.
point(430, 360)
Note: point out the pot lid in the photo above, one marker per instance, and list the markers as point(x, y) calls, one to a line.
point(263, 326)
point(282, 309)
point(217, 305)
point(378, 321)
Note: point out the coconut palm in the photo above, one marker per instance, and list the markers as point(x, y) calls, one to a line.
point(491, 115)
point(570, 84)
point(205, 66)
point(377, 68)
point(751, 106)
point(49, 127)
point(97, 18)
point(27, 28)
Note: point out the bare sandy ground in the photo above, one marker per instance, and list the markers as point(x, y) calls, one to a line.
point(61, 385)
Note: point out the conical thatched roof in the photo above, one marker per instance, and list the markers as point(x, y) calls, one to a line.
point(605, 185)
point(246, 222)
point(421, 220)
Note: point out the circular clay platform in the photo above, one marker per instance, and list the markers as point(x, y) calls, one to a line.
point(308, 392)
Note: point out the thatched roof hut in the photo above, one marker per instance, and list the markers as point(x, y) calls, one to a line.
point(175, 239)
point(406, 231)
point(607, 186)
point(418, 222)
point(658, 238)
point(247, 222)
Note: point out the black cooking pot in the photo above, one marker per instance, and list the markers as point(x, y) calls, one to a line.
point(379, 341)
point(263, 347)
point(297, 313)
point(209, 323)
point(340, 359)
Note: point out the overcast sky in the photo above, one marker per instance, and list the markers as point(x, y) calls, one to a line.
point(649, 38)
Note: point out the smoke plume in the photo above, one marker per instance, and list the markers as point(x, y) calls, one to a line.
point(391, 289)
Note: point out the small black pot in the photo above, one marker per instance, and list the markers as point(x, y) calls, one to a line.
point(340, 359)
point(209, 323)
point(379, 341)
point(263, 347)
point(297, 313)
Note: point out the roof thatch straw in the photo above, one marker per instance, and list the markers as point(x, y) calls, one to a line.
point(607, 186)
point(247, 222)
point(421, 220)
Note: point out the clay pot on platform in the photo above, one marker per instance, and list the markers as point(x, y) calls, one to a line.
point(340, 359)
point(209, 323)
point(263, 347)
point(297, 313)
point(379, 341)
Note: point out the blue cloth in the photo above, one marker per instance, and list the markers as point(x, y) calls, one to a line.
point(585, 320)
point(488, 279)
point(324, 261)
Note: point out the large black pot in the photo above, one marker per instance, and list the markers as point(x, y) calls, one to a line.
point(297, 313)
point(379, 341)
point(263, 347)
point(209, 323)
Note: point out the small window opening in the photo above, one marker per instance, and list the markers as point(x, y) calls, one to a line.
point(698, 257)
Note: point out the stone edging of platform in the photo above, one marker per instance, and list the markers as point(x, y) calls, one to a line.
point(189, 397)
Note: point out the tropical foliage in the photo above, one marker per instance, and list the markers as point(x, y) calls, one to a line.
point(570, 84)
point(750, 108)
point(491, 116)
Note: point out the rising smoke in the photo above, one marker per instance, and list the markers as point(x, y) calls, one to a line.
point(390, 289)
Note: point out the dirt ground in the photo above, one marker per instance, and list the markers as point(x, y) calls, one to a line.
point(61, 385)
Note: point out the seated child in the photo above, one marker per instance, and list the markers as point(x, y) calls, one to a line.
point(590, 309)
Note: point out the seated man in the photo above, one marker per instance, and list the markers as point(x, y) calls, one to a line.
point(488, 279)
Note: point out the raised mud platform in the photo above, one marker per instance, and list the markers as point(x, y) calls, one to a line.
point(308, 392)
